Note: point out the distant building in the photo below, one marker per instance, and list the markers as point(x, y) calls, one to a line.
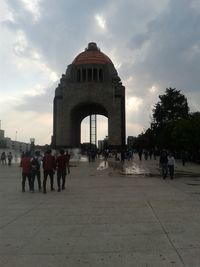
point(6, 142)
point(20, 146)
point(1, 134)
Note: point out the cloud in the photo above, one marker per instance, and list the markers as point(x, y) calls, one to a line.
point(38, 101)
point(153, 44)
point(173, 52)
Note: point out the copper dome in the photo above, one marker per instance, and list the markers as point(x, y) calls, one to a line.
point(92, 55)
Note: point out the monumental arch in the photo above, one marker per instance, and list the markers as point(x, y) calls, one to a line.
point(90, 86)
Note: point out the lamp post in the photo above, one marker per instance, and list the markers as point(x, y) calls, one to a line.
point(32, 141)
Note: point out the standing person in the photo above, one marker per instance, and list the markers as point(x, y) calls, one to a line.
point(49, 168)
point(154, 154)
point(68, 158)
point(106, 154)
point(10, 157)
point(183, 157)
point(140, 154)
point(171, 164)
point(61, 163)
point(146, 153)
point(163, 163)
point(3, 158)
point(25, 164)
point(35, 170)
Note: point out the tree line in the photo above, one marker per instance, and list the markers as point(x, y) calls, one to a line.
point(173, 127)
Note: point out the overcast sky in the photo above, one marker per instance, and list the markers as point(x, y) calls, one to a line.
point(154, 44)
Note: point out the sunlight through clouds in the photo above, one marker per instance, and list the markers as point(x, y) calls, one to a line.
point(133, 103)
point(30, 58)
point(5, 12)
point(101, 21)
point(153, 89)
point(21, 44)
point(33, 7)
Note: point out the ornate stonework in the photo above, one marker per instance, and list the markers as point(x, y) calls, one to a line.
point(90, 85)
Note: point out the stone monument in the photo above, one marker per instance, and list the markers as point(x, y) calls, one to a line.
point(91, 85)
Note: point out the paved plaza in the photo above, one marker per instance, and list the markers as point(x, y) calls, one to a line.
point(103, 218)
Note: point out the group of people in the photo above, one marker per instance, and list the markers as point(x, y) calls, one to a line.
point(147, 154)
point(31, 166)
point(167, 163)
point(5, 157)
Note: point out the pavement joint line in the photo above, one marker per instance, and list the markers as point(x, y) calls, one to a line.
point(19, 216)
point(165, 232)
point(189, 194)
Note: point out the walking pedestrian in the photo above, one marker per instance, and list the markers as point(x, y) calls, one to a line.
point(25, 164)
point(140, 154)
point(105, 154)
point(68, 159)
point(171, 164)
point(62, 162)
point(49, 169)
point(3, 158)
point(163, 163)
point(10, 157)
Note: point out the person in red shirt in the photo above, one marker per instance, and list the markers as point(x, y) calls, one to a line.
point(62, 163)
point(25, 164)
point(49, 168)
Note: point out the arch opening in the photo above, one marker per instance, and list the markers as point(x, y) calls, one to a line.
point(84, 111)
point(102, 129)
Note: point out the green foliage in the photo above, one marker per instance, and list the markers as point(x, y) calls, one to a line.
point(173, 127)
point(172, 106)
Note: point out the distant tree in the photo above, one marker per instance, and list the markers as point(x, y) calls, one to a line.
point(186, 134)
point(172, 106)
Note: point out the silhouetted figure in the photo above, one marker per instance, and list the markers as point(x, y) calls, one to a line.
point(154, 154)
point(171, 163)
point(122, 156)
point(10, 157)
point(163, 164)
point(62, 163)
point(183, 157)
point(35, 170)
point(150, 153)
point(105, 154)
point(3, 158)
point(25, 164)
point(68, 159)
point(146, 154)
point(140, 154)
point(49, 168)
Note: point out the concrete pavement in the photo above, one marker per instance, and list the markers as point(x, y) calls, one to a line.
point(103, 218)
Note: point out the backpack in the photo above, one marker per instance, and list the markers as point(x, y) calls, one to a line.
point(35, 164)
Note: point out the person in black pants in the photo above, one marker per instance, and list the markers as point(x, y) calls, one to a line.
point(49, 167)
point(163, 164)
point(25, 164)
point(35, 171)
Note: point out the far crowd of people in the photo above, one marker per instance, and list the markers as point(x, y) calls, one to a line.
point(31, 164)
point(6, 158)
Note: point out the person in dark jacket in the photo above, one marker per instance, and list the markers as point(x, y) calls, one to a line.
point(25, 164)
point(49, 169)
point(35, 170)
point(163, 163)
point(62, 163)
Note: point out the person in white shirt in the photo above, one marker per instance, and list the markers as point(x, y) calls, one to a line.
point(171, 164)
